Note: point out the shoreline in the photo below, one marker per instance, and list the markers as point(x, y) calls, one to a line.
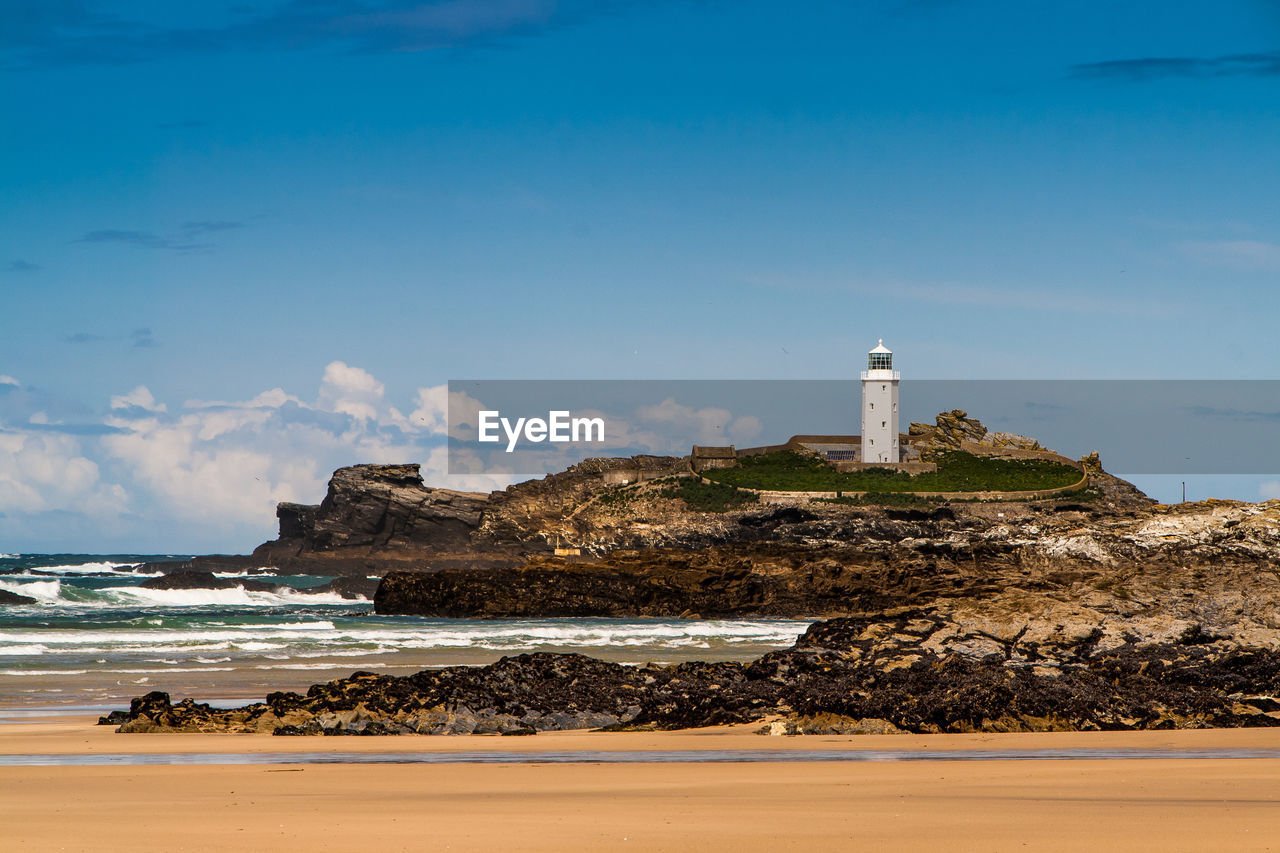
point(1120, 804)
point(83, 735)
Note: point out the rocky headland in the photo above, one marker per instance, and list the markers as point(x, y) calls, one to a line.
point(1098, 610)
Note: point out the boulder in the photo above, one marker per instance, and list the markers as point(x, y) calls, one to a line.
point(7, 597)
point(205, 580)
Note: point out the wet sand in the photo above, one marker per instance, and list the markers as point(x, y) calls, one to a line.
point(1117, 804)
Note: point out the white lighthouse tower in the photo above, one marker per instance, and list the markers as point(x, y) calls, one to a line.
point(880, 407)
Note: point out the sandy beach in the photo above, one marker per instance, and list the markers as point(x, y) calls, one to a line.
point(1113, 804)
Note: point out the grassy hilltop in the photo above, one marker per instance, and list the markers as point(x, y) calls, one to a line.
point(957, 471)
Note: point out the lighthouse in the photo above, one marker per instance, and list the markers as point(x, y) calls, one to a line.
point(880, 407)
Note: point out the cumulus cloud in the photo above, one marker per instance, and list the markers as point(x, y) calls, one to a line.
point(9, 380)
point(351, 391)
point(705, 426)
point(40, 471)
point(139, 398)
point(211, 468)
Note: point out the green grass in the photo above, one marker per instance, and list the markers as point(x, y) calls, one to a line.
point(618, 496)
point(708, 497)
point(894, 499)
point(957, 472)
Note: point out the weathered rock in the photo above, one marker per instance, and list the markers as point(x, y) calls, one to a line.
point(348, 586)
point(908, 669)
point(7, 597)
point(205, 580)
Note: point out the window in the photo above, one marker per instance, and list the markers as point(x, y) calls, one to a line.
point(879, 361)
point(883, 424)
point(873, 405)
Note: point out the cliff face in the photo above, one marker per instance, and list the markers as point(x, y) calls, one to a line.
point(1037, 574)
point(374, 515)
point(378, 518)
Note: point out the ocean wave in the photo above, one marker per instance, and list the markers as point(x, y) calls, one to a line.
point(54, 592)
point(235, 596)
point(98, 568)
point(32, 649)
point(302, 666)
point(258, 646)
point(264, 571)
point(298, 626)
point(43, 591)
point(478, 635)
point(46, 672)
point(168, 669)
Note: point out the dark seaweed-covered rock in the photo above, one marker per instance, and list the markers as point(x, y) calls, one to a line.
point(907, 669)
point(349, 586)
point(204, 580)
point(7, 597)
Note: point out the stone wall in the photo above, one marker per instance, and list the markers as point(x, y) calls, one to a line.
point(769, 496)
point(623, 476)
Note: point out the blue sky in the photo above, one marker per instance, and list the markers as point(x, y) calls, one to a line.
point(352, 202)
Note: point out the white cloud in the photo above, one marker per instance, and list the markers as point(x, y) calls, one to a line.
point(431, 412)
point(213, 471)
point(708, 425)
point(139, 398)
point(438, 411)
point(351, 391)
point(46, 471)
point(746, 428)
point(273, 399)
point(8, 380)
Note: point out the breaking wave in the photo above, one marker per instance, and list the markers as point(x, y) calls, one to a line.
point(55, 592)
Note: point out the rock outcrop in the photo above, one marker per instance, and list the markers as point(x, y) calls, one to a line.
point(7, 597)
point(915, 670)
point(376, 518)
point(1102, 610)
point(954, 428)
point(205, 580)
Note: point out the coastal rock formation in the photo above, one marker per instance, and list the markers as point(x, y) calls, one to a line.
point(1214, 562)
point(915, 670)
point(347, 587)
point(7, 597)
point(205, 580)
point(376, 518)
point(1096, 610)
point(954, 428)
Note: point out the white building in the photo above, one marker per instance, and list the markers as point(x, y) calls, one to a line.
point(880, 407)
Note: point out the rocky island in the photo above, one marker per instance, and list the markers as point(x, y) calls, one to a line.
point(1095, 608)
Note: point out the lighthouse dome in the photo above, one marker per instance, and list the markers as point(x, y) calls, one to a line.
point(880, 358)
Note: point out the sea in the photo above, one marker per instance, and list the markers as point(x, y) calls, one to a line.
point(94, 639)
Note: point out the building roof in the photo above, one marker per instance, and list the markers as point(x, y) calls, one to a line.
point(880, 347)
